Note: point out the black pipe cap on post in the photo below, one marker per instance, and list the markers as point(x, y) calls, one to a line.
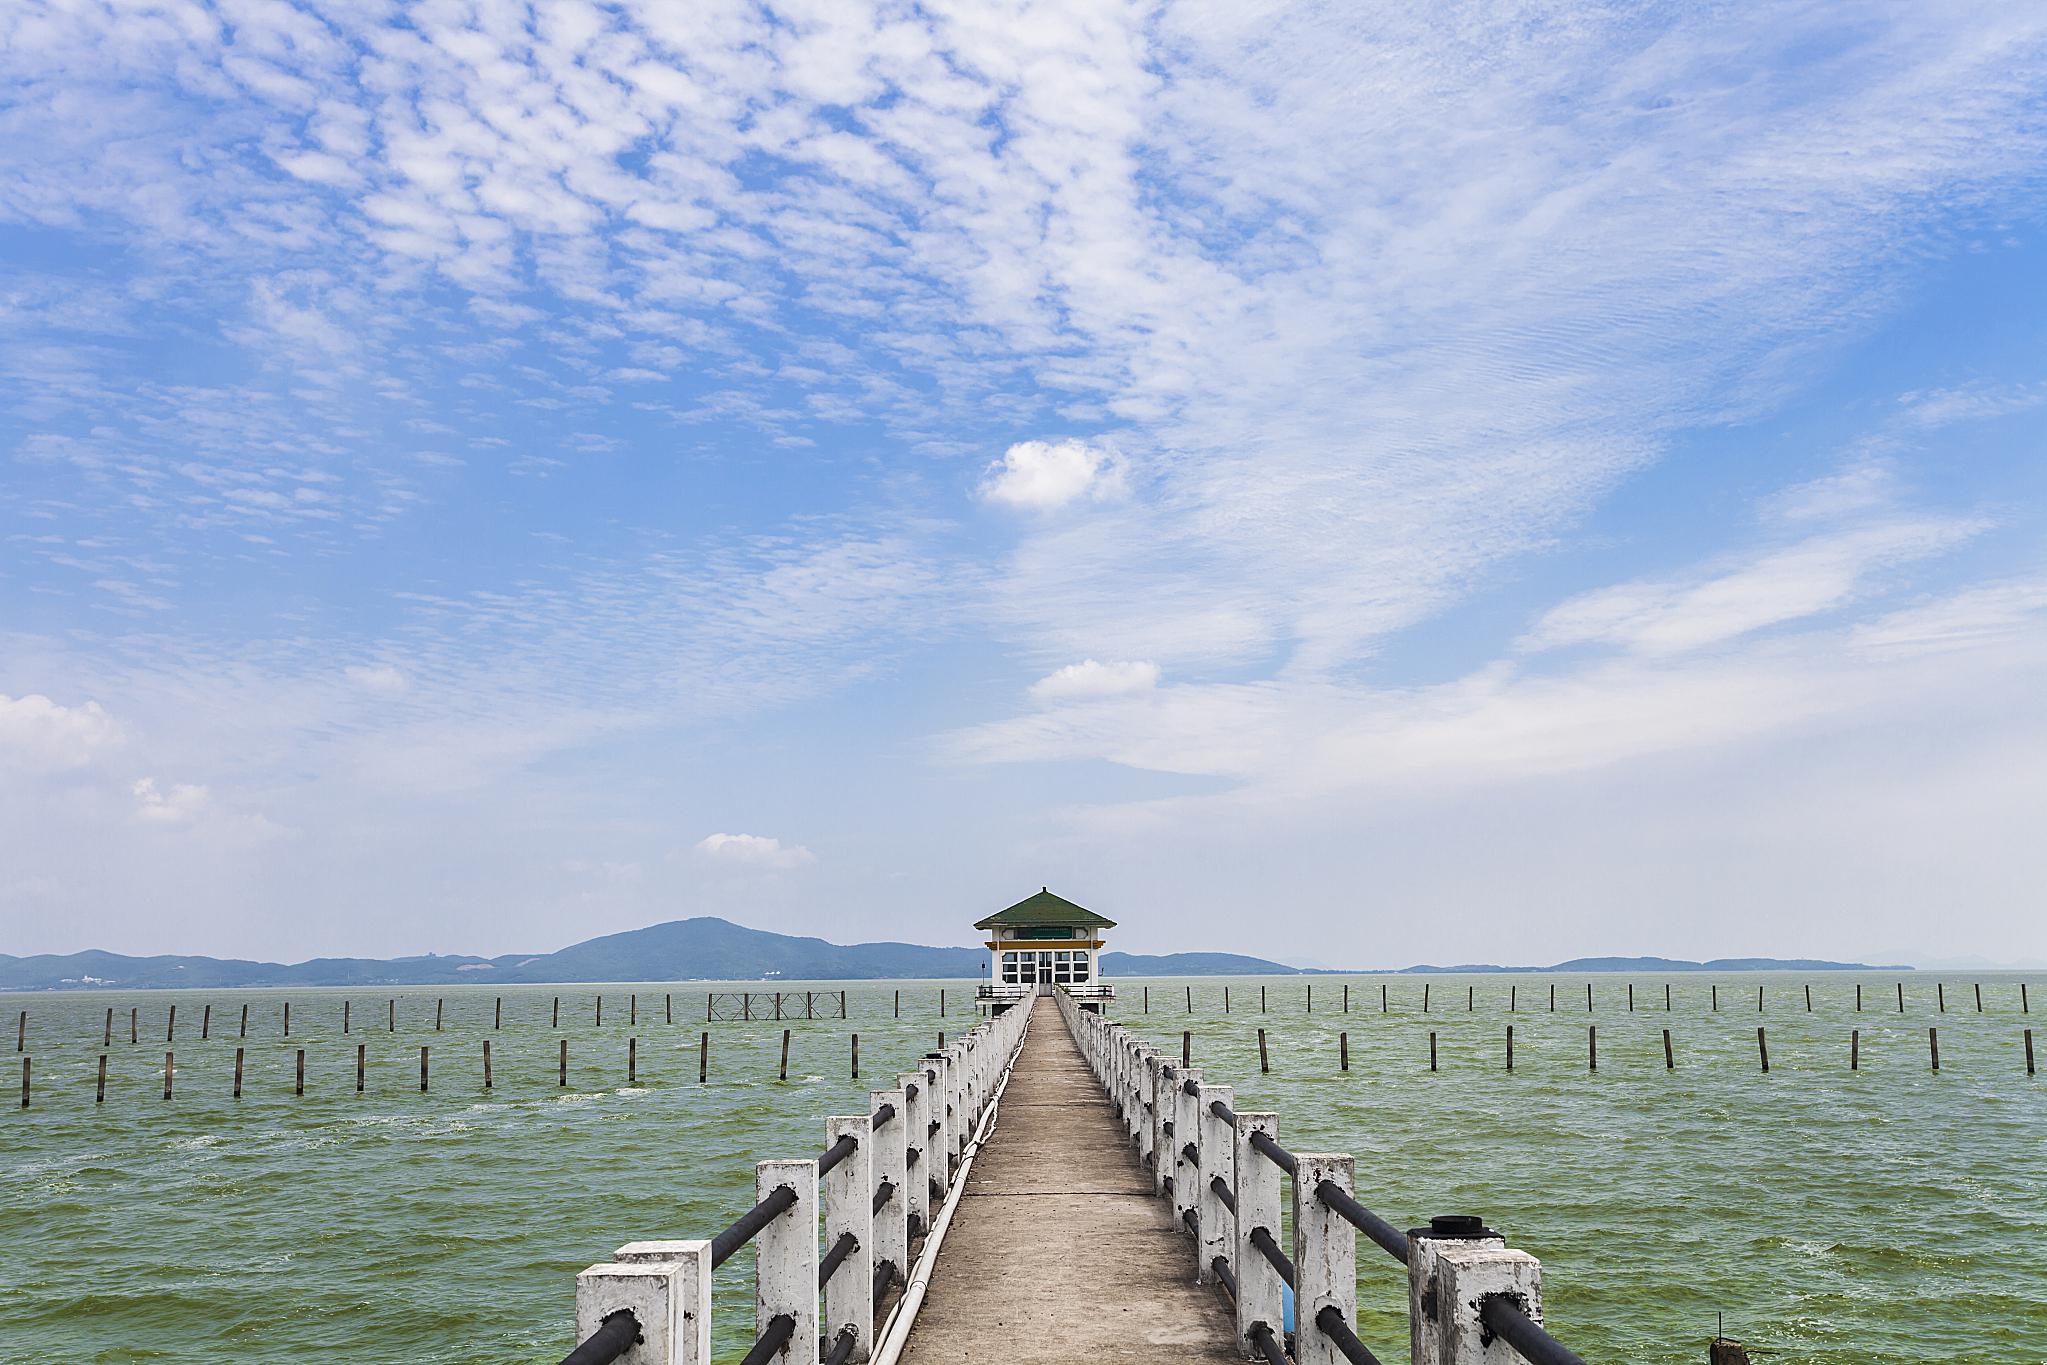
point(1454, 1227)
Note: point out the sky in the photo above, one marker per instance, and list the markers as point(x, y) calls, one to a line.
point(1353, 484)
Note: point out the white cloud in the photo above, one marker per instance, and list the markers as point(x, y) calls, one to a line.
point(1788, 584)
point(755, 850)
point(378, 678)
point(1091, 679)
point(181, 805)
point(39, 736)
point(1041, 475)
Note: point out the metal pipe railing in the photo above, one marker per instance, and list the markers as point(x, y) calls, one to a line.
point(617, 1334)
point(745, 1227)
point(1501, 1315)
point(1330, 1321)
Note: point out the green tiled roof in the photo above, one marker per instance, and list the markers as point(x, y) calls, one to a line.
point(1045, 908)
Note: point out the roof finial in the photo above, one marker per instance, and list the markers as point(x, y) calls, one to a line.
point(1044, 888)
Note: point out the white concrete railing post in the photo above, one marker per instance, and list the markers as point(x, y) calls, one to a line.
point(938, 1144)
point(1260, 1290)
point(1452, 1266)
point(1218, 1144)
point(891, 1225)
point(1186, 1112)
point(848, 1196)
point(955, 1115)
point(1148, 1114)
point(648, 1290)
point(1325, 1258)
point(689, 1295)
point(916, 1161)
point(785, 1254)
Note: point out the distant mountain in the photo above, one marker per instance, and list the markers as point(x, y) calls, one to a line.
point(701, 949)
point(1674, 964)
point(712, 949)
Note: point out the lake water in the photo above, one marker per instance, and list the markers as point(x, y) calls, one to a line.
point(1833, 1216)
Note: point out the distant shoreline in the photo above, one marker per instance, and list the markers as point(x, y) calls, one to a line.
point(716, 950)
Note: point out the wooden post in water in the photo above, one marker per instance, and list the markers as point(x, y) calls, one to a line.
point(899, 1003)
point(1808, 997)
point(1588, 997)
point(1858, 997)
point(1147, 1000)
point(1226, 999)
point(1382, 997)
point(108, 1039)
point(1759, 1000)
point(1940, 990)
point(243, 1031)
point(703, 1056)
point(941, 1002)
point(486, 1064)
point(359, 1067)
point(856, 1056)
point(497, 1017)
point(238, 1073)
point(1263, 1063)
point(1261, 999)
point(1716, 997)
point(1311, 997)
point(842, 1004)
point(1190, 998)
point(134, 1025)
point(600, 1011)
point(1721, 1351)
point(1669, 1057)
point(1513, 998)
point(168, 1070)
point(1933, 1044)
point(1470, 999)
point(422, 1069)
point(299, 1081)
point(785, 1054)
point(25, 1061)
point(1979, 997)
point(561, 1064)
point(1186, 1047)
point(632, 1010)
point(1592, 1047)
point(1901, 997)
point(21, 1032)
point(100, 1093)
point(1343, 1051)
point(1855, 1049)
point(1763, 1048)
point(1666, 997)
point(287, 1018)
point(1346, 998)
point(1631, 997)
point(1552, 997)
point(1510, 1047)
point(632, 1061)
point(556, 1021)
point(1425, 997)
point(2029, 1054)
point(170, 1027)
point(2025, 1005)
point(391, 1016)
point(1432, 1049)
point(344, 1015)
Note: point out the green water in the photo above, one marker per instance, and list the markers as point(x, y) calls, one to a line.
point(1883, 1214)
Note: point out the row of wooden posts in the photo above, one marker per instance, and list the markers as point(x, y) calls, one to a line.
point(668, 1008)
point(1186, 1058)
point(632, 1066)
point(170, 1032)
point(1514, 998)
point(1592, 1049)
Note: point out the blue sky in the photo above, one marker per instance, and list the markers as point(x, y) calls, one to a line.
point(1361, 486)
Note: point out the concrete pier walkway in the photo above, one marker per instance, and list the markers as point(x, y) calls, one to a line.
point(1058, 1252)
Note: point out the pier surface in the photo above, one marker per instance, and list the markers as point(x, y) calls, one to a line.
point(1058, 1252)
